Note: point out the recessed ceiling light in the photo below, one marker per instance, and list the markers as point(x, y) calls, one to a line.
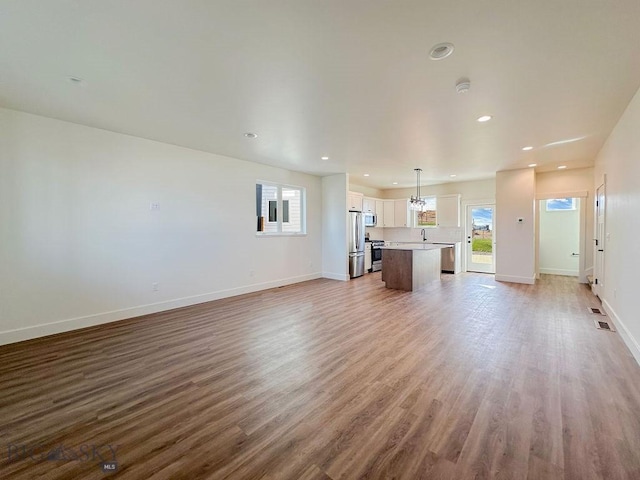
point(366, 174)
point(485, 118)
point(533, 165)
point(453, 175)
point(251, 135)
point(526, 149)
point(441, 50)
point(395, 183)
point(324, 158)
point(562, 167)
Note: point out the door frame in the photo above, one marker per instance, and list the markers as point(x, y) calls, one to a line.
point(465, 214)
point(583, 195)
point(599, 240)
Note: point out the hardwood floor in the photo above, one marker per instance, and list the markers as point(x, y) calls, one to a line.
point(468, 378)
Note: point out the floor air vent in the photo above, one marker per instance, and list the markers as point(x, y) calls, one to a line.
point(600, 325)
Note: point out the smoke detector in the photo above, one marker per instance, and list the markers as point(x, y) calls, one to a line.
point(463, 85)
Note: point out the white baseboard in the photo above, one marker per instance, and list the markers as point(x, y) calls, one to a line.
point(336, 276)
point(60, 326)
point(628, 339)
point(557, 271)
point(516, 279)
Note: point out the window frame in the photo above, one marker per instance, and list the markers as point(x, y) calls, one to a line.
point(279, 210)
point(574, 205)
point(416, 213)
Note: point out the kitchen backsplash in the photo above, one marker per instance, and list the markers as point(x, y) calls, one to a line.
point(439, 234)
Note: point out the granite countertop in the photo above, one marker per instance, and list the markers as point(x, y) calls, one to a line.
point(417, 246)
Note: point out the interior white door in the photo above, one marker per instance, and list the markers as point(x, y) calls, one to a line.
point(598, 274)
point(480, 232)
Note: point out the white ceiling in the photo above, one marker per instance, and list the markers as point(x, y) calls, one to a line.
point(350, 79)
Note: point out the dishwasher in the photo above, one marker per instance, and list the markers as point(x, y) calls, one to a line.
point(447, 257)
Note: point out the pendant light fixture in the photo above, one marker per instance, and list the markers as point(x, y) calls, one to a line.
point(417, 203)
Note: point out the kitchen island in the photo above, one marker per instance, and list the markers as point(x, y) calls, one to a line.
point(411, 266)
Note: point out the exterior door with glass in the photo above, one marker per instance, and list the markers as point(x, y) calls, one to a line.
point(481, 238)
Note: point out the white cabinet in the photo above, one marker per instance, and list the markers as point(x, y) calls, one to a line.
point(354, 201)
point(379, 213)
point(448, 210)
point(395, 213)
point(402, 217)
point(369, 205)
point(389, 214)
point(379, 207)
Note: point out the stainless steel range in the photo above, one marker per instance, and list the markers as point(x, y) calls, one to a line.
point(376, 255)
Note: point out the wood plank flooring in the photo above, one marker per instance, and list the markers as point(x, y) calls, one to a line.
point(466, 379)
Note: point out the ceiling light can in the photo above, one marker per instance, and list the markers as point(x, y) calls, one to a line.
point(484, 118)
point(251, 135)
point(441, 50)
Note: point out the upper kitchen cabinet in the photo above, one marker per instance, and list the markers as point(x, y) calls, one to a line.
point(448, 210)
point(388, 214)
point(369, 205)
point(402, 214)
point(379, 207)
point(354, 201)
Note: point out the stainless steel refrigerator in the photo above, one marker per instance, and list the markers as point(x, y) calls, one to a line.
point(356, 244)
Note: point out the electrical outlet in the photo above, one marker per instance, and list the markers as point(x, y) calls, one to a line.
point(155, 286)
point(154, 206)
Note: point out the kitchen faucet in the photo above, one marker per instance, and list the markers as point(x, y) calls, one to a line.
point(424, 235)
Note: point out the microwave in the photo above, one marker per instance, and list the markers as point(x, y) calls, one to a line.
point(369, 219)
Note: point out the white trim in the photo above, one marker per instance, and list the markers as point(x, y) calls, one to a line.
point(551, 196)
point(335, 276)
point(631, 343)
point(60, 326)
point(558, 271)
point(513, 279)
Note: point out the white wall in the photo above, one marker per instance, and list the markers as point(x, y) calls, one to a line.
point(619, 159)
point(334, 227)
point(80, 245)
point(366, 191)
point(559, 238)
point(476, 190)
point(515, 242)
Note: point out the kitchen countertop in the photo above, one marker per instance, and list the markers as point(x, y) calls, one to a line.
point(416, 246)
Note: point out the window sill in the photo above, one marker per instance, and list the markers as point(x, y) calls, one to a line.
point(280, 234)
